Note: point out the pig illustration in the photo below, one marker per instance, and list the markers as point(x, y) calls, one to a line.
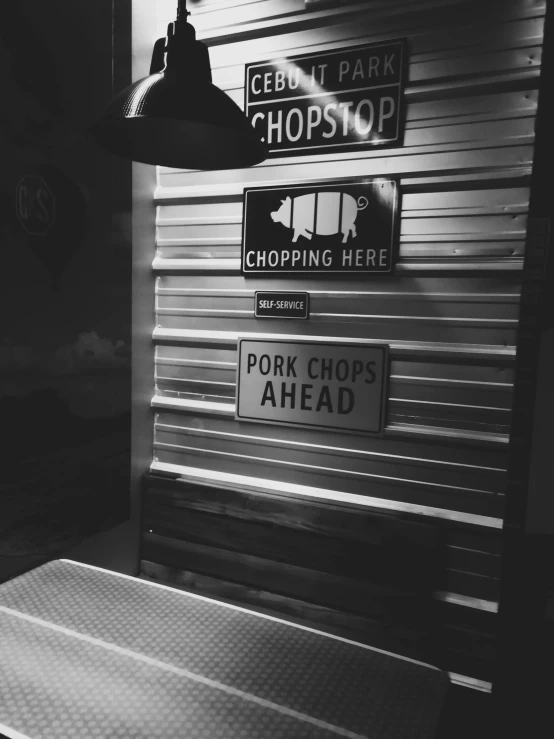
point(322, 213)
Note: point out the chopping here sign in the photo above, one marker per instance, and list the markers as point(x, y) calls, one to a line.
point(300, 383)
point(329, 228)
point(350, 98)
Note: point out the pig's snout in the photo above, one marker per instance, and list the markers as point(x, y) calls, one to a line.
point(274, 215)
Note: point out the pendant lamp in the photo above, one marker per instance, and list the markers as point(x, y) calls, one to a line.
point(176, 117)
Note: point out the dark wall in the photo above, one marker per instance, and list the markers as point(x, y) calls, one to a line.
point(65, 282)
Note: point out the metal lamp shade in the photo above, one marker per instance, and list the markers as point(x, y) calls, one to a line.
point(176, 117)
point(191, 125)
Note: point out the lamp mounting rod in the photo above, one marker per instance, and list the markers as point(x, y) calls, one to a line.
point(182, 11)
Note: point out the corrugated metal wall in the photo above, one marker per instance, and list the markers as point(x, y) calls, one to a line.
point(449, 313)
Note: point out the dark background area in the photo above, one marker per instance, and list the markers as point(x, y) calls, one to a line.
point(65, 283)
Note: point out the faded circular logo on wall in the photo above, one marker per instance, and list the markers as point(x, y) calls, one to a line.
point(35, 205)
point(51, 209)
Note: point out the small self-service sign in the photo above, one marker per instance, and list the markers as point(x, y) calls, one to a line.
point(338, 227)
point(343, 100)
point(273, 304)
point(339, 386)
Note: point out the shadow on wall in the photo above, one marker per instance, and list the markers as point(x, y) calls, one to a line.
point(68, 446)
point(65, 284)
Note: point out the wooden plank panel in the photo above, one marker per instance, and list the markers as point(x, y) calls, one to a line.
point(474, 584)
point(320, 588)
point(291, 532)
point(321, 518)
point(473, 562)
point(395, 637)
point(459, 650)
point(364, 561)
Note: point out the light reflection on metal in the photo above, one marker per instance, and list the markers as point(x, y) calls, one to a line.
point(312, 88)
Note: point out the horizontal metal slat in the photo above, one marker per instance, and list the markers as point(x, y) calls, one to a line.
point(492, 155)
point(230, 480)
point(488, 462)
point(387, 488)
point(432, 106)
point(167, 384)
point(446, 22)
point(446, 403)
point(357, 460)
point(415, 254)
point(388, 287)
point(445, 452)
point(503, 177)
point(186, 363)
point(232, 265)
point(178, 288)
point(331, 318)
point(398, 348)
point(432, 333)
point(217, 14)
point(475, 392)
point(456, 202)
point(214, 406)
point(447, 228)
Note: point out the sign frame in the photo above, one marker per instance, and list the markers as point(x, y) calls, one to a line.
point(385, 348)
point(395, 229)
point(366, 145)
point(304, 295)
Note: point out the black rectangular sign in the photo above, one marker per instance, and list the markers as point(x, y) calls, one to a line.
point(351, 99)
point(339, 227)
point(281, 305)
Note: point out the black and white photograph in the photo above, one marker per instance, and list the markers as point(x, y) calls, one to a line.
point(276, 369)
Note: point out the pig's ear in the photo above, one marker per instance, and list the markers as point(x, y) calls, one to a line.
point(288, 198)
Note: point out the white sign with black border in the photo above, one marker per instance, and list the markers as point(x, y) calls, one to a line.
point(340, 386)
